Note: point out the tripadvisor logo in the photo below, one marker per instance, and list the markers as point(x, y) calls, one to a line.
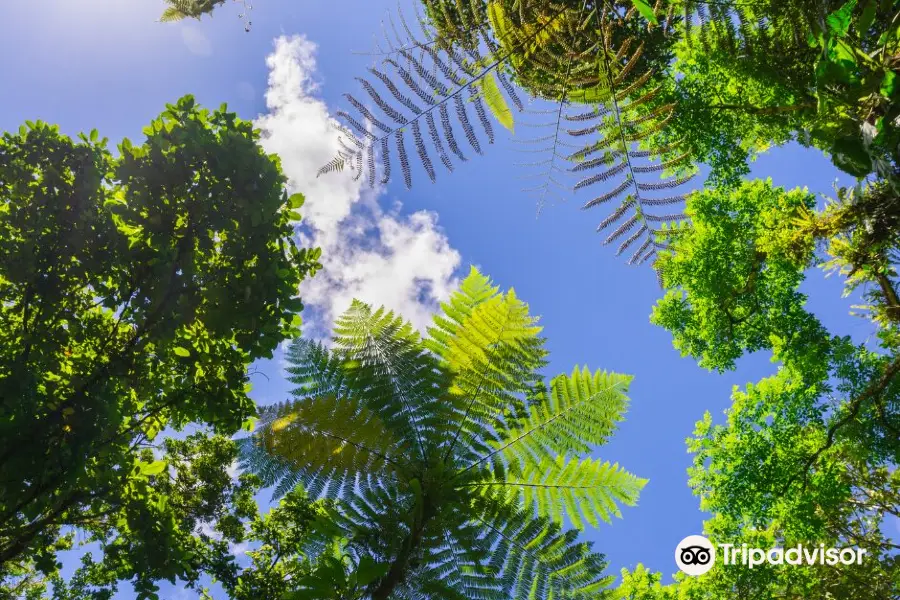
point(695, 555)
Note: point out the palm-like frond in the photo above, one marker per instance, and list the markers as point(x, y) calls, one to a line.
point(450, 457)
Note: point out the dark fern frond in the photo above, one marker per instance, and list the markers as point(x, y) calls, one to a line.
point(665, 218)
point(603, 176)
point(448, 131)
point(621, 230)
point(681, 159)
point(367, 114)
point(404, 159)
point(640, 251)
point(463, 118)
point(631, 239)
point(335, 164)
point(482, 115)
point(616, 191)
point(400, 97)
point(663, 185)
point(436, 140)
point(385, 160)
point(663, 201)
point(386, 108)
point(617, 214)
point(421, 150)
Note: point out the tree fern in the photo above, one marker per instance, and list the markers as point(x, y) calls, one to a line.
point(449, 457)
point(478, 59)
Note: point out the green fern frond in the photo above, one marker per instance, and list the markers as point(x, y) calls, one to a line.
point(331, 442)
point(172, 14)
point(579, 489)
point(387, 366)
point(577, 412)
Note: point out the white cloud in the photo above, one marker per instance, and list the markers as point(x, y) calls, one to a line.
point(195, 40)
point(379, 256)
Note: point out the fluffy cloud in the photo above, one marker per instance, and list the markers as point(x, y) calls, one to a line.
point(382, 257)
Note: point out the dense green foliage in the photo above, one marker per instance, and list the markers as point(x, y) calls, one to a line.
point(137, 289)
point(809, 454)
point(453, 463)
point(134, 292)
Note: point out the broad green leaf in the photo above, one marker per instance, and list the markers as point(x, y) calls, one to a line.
point(296, 200)
point(154, 468)
point(647, 11)
point(181, 351)
point(867, 17)
point(369, 570)
point(888, 84)
point(839, 21)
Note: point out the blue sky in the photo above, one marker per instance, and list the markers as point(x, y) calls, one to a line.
point(108, 64)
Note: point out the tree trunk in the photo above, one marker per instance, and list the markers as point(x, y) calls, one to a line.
point(399, 568)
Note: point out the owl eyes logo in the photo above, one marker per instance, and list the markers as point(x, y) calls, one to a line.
point(695, 555)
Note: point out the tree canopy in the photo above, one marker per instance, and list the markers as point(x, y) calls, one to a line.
point(135, 292)
point(808, 454)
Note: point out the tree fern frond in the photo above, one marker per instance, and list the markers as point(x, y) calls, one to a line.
point(386, 108)
point(438, 144)
point(172, 14)
point(585, 407)
point(603, 176)
point(335, 164)
point(582, 490)
point(463, 118)
point(422, 151)
point(640, 251)
point(622, 230)
point(448, 132)
point(475, 98)
point(534, 559)
point(617, 214)
point(395, 92)
point(665, 218)
point(671, 183)
point(616, 191)
point(662, 201)
point(385, 160)
point(324, 439)
point(404, 158)
point(631, 239)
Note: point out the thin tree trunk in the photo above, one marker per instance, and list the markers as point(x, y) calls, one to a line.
point(400, 567)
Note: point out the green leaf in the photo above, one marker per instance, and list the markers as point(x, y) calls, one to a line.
point(647, 11)
point(495, 101)
point(296, 200)
point(182, 351)
point(154, 468)
point(867, 18)
point(94, 135)
point(888, 84)
point(839, 21)
point(369, 570)
point(849, 154)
